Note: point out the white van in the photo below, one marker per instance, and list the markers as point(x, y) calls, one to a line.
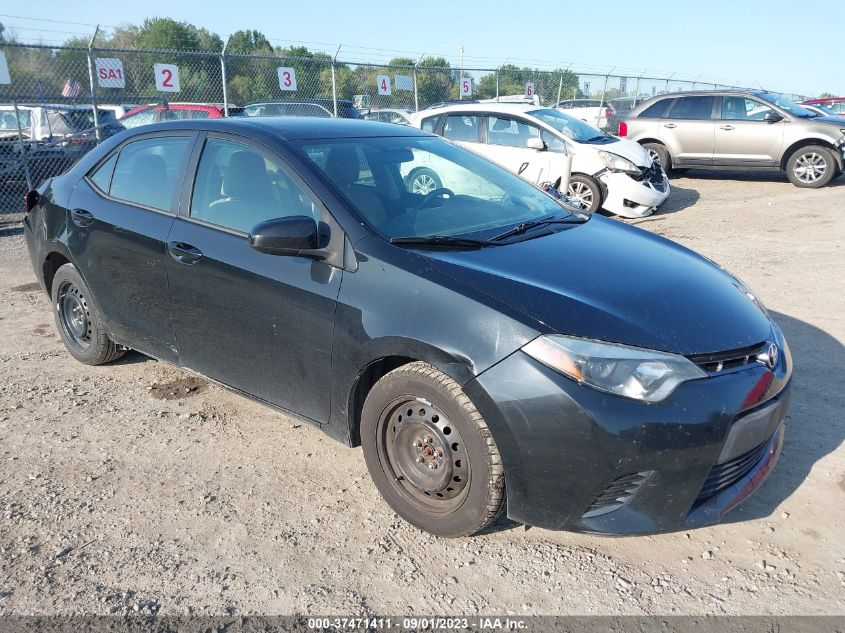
point(607, 172)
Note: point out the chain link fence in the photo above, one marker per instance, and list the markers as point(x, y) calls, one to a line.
point(62, 101)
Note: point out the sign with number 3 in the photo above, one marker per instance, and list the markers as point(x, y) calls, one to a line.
point(287, 78)
point(167, 77)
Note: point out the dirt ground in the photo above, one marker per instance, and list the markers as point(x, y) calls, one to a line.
point(137, 488)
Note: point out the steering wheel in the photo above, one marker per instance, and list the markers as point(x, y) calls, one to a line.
point(436, 193)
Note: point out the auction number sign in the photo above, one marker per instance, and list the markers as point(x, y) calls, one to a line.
point(383, 83)
point(110, 72)
point(4, 70)
point(466, 86)
point(529, 90)
point(287, 78)
point(167, 77)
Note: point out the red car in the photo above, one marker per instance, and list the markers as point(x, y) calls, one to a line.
point(144, 115)
point(837, 104)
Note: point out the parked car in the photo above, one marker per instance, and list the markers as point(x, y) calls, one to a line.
point(44, 140)
point(593, 111)
point(837, 104)
point(739, 129)
point(323, 108)
point(622, 106)
point(821, 110)
point(607, 172)
point(118, 111)
point(466, 342)
point(153, 113)
point(389, 115)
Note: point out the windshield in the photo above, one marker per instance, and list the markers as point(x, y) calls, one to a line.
point(419, 186)
point(569, 126)
point(785, 104)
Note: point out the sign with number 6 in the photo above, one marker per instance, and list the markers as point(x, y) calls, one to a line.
point(529, 90)
point(466, 86)
point(287, 78)
point(167, 77)
point(383, 83)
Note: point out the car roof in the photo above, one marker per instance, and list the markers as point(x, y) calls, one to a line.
point(290, 128)
point(501, 108)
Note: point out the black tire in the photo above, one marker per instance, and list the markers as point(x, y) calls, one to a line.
point(659, 151)
point(468, 492)
point(78, 320)
point(811, 167)
point(423, 181)
point(580, 187)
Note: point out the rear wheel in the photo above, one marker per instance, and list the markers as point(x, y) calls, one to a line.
point(811, 167)
point(585, 192)
point(659, 153)
point(78, 320)
point(430, 453)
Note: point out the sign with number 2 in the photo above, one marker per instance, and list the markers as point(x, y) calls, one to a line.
point(167, 77)
point(287, 78)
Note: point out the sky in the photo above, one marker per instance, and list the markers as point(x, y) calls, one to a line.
point(774, 44)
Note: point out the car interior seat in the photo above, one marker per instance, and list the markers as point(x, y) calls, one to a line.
point(343, 167)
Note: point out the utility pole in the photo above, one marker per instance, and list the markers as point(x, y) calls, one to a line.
point(461, 84)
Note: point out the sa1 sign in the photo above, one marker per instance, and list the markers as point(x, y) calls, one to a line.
point(383, 83)
point(110, 72)
point(287, 78)
point(167, 77)
point(466, 86)
point(529, 90)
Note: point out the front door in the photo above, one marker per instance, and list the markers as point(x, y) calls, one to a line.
point(688, 130)
point(743, 137)
point(507, 144)
point(260, 323)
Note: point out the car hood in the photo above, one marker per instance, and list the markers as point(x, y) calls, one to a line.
point(609, 281)
point(629, 149)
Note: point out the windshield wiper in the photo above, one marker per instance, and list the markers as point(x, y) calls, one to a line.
point(527, 226)
point(440, 240)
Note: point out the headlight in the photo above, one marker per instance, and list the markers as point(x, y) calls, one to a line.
point(632, 372)
point(615, 162)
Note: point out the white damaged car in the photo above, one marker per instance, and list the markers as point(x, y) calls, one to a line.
point(608, 173)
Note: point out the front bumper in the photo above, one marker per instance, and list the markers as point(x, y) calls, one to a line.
point(689, 460)
point(632, 198)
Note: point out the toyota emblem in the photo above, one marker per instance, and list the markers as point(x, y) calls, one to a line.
point(770, 357)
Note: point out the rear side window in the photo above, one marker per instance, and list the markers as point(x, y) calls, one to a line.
point(695, 108)
point(461, 127)
point(102, 175)
point(655, 110)
point(838, 107)
point(147, 171)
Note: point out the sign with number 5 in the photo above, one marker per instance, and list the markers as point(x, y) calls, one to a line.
point(167, 77)
point(383, 83)
point(466, 86)
point(287, 78)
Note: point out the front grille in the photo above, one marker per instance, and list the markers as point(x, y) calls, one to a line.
point(620, 491)
point(725, 475)
point(723, 361)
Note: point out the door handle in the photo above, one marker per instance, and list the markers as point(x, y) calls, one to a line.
point(726, 127)
point(81, 217)
point(184, 253)
point(670, 125)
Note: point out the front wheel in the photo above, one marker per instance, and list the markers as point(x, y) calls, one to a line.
point(430, 453)
point(423, 181)
point(811, 167)
point(585, 192)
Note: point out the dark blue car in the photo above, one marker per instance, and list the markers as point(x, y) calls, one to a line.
point(491, 348)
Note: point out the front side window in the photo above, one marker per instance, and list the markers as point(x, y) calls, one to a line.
point(429, 123)
point(744, 109)
point(509, 132)
point(693, 108)
point(9, 119)
point(461, 127)
point(147, 171)
point(238, 186)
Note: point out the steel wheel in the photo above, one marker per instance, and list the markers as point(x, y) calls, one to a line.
point(74, 316)
point(426, 455)
point(582, 194)
point(810, 167)
point(423, 184)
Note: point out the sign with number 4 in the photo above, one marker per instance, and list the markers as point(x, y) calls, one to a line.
point(466, 87)
point(383, 82)
point(529, 90)
point(287, 78)
point(167, 77)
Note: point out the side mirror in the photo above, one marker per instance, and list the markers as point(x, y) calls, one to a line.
point(285, 236)
point(772, 117)
point(536, 143)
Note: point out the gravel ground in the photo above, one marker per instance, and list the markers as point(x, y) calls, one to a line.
point(138, 488)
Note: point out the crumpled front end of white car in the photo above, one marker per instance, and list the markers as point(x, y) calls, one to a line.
point(632, 191)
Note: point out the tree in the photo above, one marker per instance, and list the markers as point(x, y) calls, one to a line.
point(436, 81)
point(824, 95)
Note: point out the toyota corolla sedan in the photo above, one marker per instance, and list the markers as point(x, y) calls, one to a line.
point(465, 337)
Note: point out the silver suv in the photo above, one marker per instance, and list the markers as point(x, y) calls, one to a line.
point(739, 130)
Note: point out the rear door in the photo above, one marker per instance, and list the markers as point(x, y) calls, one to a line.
point(260, 323)
point(688, 130)
point(120, 217)
point(743, 137)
